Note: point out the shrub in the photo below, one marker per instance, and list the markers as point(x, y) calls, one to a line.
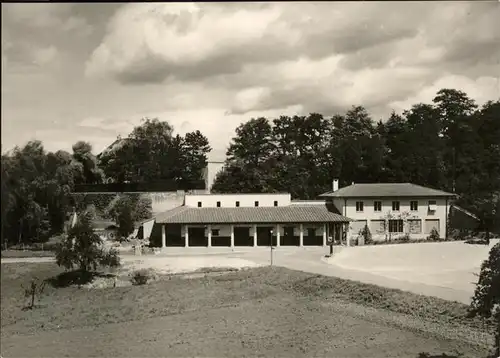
point(486, 300)
point(405, 238)
point(33, 292)
point(367, 235)
point(434, 235)
point(82, 248)
point(141, 277)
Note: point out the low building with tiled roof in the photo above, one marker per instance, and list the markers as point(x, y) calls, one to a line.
point(248, 220)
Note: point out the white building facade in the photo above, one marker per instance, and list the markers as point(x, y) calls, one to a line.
point(393, 210)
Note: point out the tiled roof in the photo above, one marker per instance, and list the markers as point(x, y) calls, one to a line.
point(386, 190)
point(283, 214)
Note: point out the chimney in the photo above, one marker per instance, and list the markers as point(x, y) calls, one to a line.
point(335, 185)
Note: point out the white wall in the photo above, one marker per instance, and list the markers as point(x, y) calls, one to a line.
point(166, 201)
point(229, 200)
point(404, 207)
point(211, 171)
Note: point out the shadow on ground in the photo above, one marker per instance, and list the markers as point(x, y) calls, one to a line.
point(443, 355)
point(75, 277)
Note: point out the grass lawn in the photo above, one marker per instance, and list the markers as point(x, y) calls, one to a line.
point(26, 253)
point(257, 312)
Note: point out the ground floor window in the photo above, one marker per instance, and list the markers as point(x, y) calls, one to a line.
point(431, 224)
point(396, 226)
point(378, 226)
point(415, 226)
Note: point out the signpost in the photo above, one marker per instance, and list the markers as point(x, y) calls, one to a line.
point(330, 242)
point(272, 248)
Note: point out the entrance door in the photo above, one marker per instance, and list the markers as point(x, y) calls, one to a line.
point(288, 238)
point(242, 236)
point(264, 235)
point(197, 236)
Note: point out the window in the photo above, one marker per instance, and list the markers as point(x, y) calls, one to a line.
point(431, 224)
point(215, 232)
point(414, 205)
point(432, 205)
point(311, 232)
point(237, 204)
point(275, 203)
point(199, 204)
point(256, 203)
point(396, 226)
point(415, 226)
point(377, 206)
point(359, 206)
point(395, 206)
point(378, 226)
point(218, 204)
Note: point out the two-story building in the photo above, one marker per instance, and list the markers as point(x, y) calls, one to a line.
point(392, 209)
point(250, 220)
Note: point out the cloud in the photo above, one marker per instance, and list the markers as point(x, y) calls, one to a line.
point(173, 40)
point(481, 90)
point(106, 124)
point(45, 16)
point(45, 55)
point(317, 56)
point(212, 66)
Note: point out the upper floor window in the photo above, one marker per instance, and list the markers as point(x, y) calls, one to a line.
point(377, 206)
point(275, 203)
point(432, 205)
point(256, 203)
point(218, 204)
point(237, 204)
point(199, 204)
point(215, 232)
point(395, 206)
point(359, 206)
point(414, 205)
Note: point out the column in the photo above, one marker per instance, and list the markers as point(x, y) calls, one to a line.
point(209, 228)
point(324, 234)
point(163, 236)
point(301, 237)
point(186, 236)
point(232, 236)
point(255, 236)
point(346, 228)
point(278, 236)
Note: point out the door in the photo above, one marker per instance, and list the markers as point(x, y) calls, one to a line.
point(242, 236)
point(197, 236)
point(264, 235)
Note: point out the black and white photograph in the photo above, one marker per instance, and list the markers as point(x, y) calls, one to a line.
point(250, 179)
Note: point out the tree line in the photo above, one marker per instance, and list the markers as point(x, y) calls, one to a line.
point(451, 144)
point(37, 186)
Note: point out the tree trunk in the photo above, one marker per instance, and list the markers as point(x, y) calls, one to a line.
point(20, 233)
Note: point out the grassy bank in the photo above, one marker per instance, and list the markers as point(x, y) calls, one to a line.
point(189, 294)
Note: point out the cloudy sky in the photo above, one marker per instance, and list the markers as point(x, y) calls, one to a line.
point(91, 71)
